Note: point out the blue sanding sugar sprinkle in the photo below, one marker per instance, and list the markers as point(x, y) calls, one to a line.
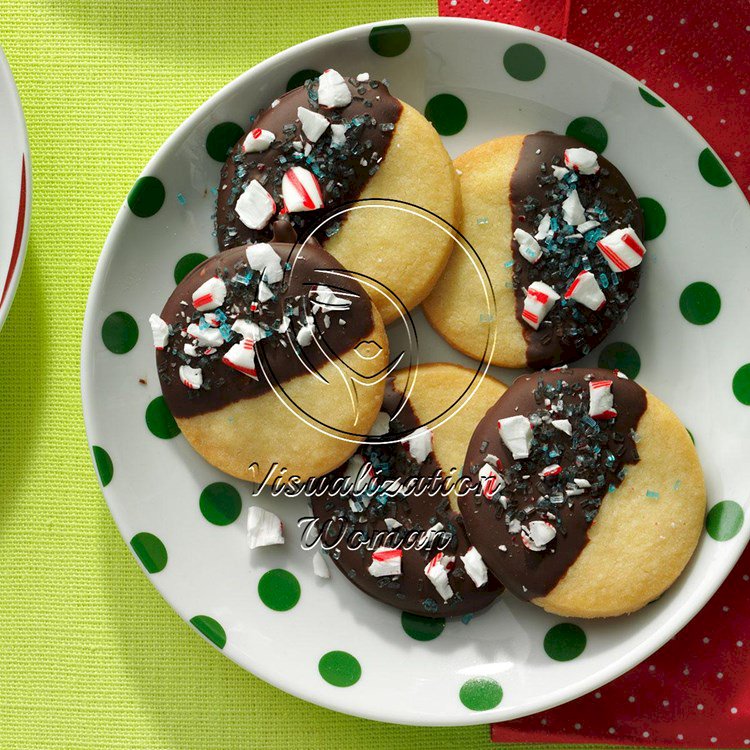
point(483, 220)
point(508, 263)
point(220, 315)
point(652, 494)
point(466, 619)
point(430, 605)
point(677, 484)
point(181, 199)
point(226, 331)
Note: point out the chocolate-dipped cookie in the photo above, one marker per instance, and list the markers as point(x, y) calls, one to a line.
point(328, 143)
point(395, 534)
point(272, 360)
point(592, 496)
point(559, 231)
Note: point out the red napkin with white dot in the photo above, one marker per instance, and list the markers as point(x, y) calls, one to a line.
point(692, 54)
point(695, 691)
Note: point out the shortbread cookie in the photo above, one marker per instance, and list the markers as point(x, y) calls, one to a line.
point(559, 232)
point(389, 504)
point(332, 142)
point(592, 497)
point(272, 361)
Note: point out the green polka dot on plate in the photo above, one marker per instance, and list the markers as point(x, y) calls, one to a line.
point(564, 642)
point(724, 520)
point(119, 332)
point(654, 218)
point(648, 97)
point(150, 550)
point(524, 62)
point(590, 132)
point(211, 629)
point(221, 138)
point(390, 40)
point(146, 197)
point(621, 356)
point(481, 694)
point(700, 303)
point(712, 170)
point(741, 384)
point(220, 503)
point(447, 113)
point(298, 79)
point(104, 467)
point(160, 421)
point(422, 628)
point(186, 264)
point(339, 668)
point(279, 589)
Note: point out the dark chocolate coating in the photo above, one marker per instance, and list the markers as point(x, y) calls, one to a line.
point(412, 591)
point(372, 115)
point(223, 385)
point(570, 330)
point(526, 573)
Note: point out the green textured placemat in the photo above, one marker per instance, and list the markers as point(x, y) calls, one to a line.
point(90, 655)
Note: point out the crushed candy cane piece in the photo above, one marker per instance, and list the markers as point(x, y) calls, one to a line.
point(563, 425)
point(544, 228)
point(358, 474)
point(581, 160)
point(257, 140)
point(622, 249)
point(419, 444)
point(363, 77)
point(159, 330)
point(381, 425)
point(559, 172)
point(313, 123)
point(491, 480)
point(475, 567)
point(255, 206)
point(301, 190)
point(241, 357)
point(210, 294)
point(264, 292)
point(190, 350)
point(437, 571)
point(601, 400)
point(572, 209)
point(582, 483)
point(325, 299)
point(320, 566)
point(386, 561)
point(538, 535)
point(527, 246)
point(551, 471)
point(333, 90)
point(262, 257)
point(540, 299)
point(205, 336)
point(621, 375)
point(586, 290)
point(516, 434)
point(248, 329)
point(392, 523)
point(305, 334)
point(338, 134)
point(587, 226)
point(191, 377)
point(263, 528)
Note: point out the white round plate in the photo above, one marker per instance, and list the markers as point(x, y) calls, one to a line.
point(15, 188)
point(153, 485)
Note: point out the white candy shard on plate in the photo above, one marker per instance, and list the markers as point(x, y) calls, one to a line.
point(159, 330)
point(263, 528)
point(320, 566)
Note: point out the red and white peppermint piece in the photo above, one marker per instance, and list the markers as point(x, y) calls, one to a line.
point(581, 160)
point(622, 249)
point(262, 257)
point(563, 425)
point(160, 331)
point(527, 246)
point(538, 535)
point(516, 434)
point(437, 571)
point(248, 329)
point(419, 444)
point(257, 140)
point(255, 206)
point(210, 294)
point(491, 481)
point(313, 123)
point(540, 299)
point(320, 566)
point(601, 400)
point(586, 290)
point(572, 209)
point(241, 357)
point(333, 90)
point(550, 471)
point(338, 134)
point(301, 190)
point(475, 567)
point(386, 561)
point(190, 350)
point(191, 377)
point(212, 320)
point(205, 336)
point(263, 528)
